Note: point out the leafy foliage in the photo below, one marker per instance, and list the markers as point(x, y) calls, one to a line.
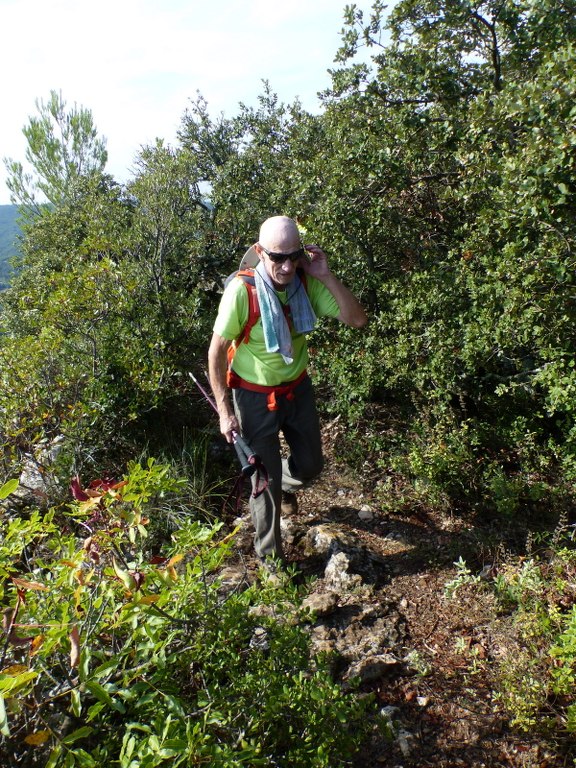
point(534, 680)
point(538, 686)
point(63, 147)
point(452, 207)
point(103, 320)
point(114, 654)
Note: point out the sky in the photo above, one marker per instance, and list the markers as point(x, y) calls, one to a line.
point(136, 64)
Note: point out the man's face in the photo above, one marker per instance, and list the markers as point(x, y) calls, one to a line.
point(281, 271)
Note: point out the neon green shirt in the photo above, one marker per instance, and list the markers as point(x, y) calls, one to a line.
point(251, 361)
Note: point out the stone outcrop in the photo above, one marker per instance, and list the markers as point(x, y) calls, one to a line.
point(37, 483)
point(346, 611)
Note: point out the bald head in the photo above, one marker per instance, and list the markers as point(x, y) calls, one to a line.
point(280, 234)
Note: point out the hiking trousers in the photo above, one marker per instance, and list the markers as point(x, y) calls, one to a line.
point(298, 421)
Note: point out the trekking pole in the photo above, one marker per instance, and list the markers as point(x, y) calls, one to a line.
point(249, 460)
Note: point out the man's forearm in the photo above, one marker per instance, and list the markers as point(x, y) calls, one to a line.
point(351, 311)
point(217, 367)
point(217, 374)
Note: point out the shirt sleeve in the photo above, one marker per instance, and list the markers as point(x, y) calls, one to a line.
point(323, 302)
point(233, 310)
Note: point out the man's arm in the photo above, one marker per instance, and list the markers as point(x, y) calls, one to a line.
point(217, 366)
point(351, 311)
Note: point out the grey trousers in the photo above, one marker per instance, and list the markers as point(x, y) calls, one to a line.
point(298, 421)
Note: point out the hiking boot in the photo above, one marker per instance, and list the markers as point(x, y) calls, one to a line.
point(289, 504)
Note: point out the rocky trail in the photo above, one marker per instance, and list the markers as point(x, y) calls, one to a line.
point(378, 588)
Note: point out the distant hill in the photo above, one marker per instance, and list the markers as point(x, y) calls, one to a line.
point(9, 231)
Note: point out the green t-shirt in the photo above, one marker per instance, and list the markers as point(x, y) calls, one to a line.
point(251, 361)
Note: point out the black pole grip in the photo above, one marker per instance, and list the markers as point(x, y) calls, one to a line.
point(247, 468)
point(252, 457)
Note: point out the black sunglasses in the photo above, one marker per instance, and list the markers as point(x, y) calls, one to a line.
point(280, 258)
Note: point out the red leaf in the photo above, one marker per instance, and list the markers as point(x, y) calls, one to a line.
point(104, 484)
point(76, 490)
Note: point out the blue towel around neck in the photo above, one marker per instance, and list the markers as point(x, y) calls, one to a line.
point(276, 331)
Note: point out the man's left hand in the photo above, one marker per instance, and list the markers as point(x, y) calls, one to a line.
point(317, 266)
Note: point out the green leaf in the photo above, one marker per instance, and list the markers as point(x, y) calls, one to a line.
point(76, 702)
point(9, 487)
point(54, 755)
point(95, 710)
point(103, 669)
point(104, 697)
point(80, 733)
point(83, 759)
point(84, 666)
point(13, 683)
point(4, 729)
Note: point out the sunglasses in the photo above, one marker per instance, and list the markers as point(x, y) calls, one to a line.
point(280, 258)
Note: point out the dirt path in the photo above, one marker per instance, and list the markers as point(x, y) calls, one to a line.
point(443, 705)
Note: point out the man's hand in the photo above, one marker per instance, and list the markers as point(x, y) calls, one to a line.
point(351, 311)
point(228, 425)
point(317, 266)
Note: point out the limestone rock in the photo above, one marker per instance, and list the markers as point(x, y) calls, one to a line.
point(321, 604)
point(366, 514)
point(371, 668)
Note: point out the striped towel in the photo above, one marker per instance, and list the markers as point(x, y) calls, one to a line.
point(276, 331)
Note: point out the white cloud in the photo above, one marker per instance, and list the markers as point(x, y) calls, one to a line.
point(136, 63)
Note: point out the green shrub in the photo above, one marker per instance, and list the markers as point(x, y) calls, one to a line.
point(115, 655)
point(536, 682)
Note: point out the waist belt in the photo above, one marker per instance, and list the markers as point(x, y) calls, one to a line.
point(279, 390)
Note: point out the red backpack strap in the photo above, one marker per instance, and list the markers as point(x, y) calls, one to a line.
point(247, 277)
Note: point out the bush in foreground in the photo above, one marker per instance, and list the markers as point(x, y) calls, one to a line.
point(112, 654)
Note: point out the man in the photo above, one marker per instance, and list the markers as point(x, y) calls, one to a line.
point(272, 392)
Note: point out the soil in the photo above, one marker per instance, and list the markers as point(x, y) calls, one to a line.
point(445, 710)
